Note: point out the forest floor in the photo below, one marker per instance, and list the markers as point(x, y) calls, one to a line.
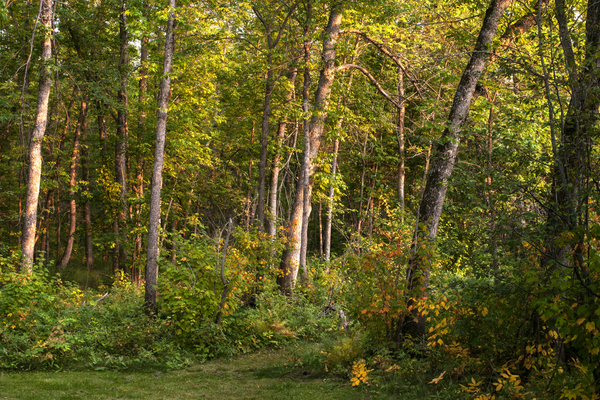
point(261, 375)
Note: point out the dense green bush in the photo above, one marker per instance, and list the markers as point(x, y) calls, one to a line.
point(48, 323)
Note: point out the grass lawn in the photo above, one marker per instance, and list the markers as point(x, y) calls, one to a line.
point(260, 375)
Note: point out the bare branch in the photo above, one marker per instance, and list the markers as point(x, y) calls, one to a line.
point(373, 81)
point(388, 53)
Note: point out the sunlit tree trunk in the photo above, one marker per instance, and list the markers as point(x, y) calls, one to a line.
point(161, 130)
point(400, 134)
point(37, 137)
point(442, 164)
point(290, 258)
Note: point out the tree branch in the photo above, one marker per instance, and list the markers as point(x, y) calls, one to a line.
point(373, 81)
point(388, 53)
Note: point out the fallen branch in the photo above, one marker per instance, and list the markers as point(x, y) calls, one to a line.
point(102, 298)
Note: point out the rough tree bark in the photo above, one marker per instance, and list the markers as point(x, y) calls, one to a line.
point(567, 203)
point(161, 130)
point(290, 258)
point(37, 136)
point(442, 164)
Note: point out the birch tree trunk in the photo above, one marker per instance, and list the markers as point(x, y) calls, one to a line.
point(442, 164)
point(161, 129)
point(400, 133)
point(37, 137)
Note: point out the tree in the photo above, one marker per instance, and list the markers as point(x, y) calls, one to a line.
point(290, 259)
point(121, 144)
point(443, 159)
point(270, 30)
point(45, 16)
point(161, 130)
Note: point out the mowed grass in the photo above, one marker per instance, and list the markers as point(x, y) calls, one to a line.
point(261, 375)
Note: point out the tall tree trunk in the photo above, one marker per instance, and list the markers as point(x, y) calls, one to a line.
point(274, 186)
point(290, 258)
point(269, 86)
point(87, 212)
point(400, 134)
point(570, 165)
point(336, 146)
point(249, 214)
point(441, 167)
point(73, 183)
point(37, 137)
point(161, 130)
point(139, 185)
point(121, 145)
point(262, 166)
point(306, 209)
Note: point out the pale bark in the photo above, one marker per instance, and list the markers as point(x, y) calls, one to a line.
point(161, 130)
point(290, 258)
point(400, 135)
point(37, 137)
point(441, 167)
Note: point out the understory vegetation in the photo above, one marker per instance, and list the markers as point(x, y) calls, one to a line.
point(489, 337)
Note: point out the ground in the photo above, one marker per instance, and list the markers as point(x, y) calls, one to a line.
point(262, 375)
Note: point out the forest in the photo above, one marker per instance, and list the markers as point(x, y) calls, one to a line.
point(404, 195)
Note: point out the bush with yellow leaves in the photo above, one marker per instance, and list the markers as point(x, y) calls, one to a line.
point(360, 373)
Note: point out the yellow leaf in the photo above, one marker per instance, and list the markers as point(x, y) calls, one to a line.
point(484, 312)
point(438, 379)
point(590, 326)
point(580, 321)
